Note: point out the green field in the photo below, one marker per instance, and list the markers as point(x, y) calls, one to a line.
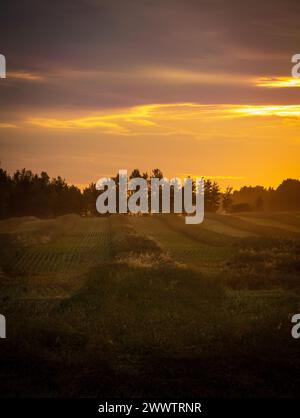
point(129, 306)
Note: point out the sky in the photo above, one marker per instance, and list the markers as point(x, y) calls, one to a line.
point(193, 87)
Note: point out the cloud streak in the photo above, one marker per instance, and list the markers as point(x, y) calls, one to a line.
point(154, 116)
point(25, 76)
point(7, 125)
point(278, 82)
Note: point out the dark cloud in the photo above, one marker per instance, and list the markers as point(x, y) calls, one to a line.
point(122, 36)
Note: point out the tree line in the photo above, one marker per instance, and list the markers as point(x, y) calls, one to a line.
point(26, 193)
point(286, 197)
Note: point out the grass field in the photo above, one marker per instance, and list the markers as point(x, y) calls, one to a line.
point(129, 306)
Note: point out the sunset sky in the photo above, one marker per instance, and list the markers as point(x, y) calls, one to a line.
point(189, 86)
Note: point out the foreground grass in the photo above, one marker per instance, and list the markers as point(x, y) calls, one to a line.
point(143, 320)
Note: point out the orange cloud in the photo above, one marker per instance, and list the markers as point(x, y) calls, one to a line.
point(164, 118)
point(278, 82)
point(79, 123)
point(7, 125)
point(184, 76)
point(282, 111)
point(24, 75)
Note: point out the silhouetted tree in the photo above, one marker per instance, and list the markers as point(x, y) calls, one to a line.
point(259, 203)
point(212, 196)
point(288, 195)
point(89, 197)
point(26, 193)
point(227, 198)
point(5, 194)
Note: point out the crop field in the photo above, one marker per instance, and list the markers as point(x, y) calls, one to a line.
point(129, 306)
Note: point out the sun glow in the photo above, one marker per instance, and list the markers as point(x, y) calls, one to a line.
point(284, 111)
point(278, 82)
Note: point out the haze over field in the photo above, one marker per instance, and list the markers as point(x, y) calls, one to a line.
point(193, 87)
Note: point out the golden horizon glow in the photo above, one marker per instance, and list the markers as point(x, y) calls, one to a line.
point(225, 142)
